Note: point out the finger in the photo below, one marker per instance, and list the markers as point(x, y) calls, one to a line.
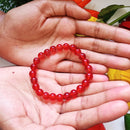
point(103, 46)
point(70, 63)
point(97, 87)
point(69, 79)
point(62, 8)
point(108, 60)
point(96, 78)
point(87, 102)
point(61, 78)
point(86, 118)
point(104, 31)
point(75, 67)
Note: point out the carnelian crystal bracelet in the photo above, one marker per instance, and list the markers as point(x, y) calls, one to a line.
point(67, 95)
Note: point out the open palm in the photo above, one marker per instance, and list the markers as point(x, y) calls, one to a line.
point(22, 109)
point(33, 27)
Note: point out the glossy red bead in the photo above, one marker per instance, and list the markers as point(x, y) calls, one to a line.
point(82, 56)
point(59, 47)
point(66, 96)
point(33, 67)
point(46, 95)
point(36, 60)
point(89, 76)
point(39, 92)
point(78, 51)
point(47, 52)
point(32, 73)
point(52, 96)
point(73, 47)
point(73, 93)
point(35, 86)
point(66, 46)
point(53, 49)
point(34, 80)
point(41, 55)
point(89, 69)
point(85, 62)
point(80, 88)
point(85, 83)
point(59, 97)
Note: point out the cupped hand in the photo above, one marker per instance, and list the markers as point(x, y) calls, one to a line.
point(37, 25)
point(22, 109)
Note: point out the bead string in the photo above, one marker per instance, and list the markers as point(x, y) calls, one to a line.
point(67, 95)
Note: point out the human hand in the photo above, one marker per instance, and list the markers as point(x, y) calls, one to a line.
point(22, 109)
point(35, 26)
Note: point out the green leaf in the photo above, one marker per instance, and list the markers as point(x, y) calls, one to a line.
point(6, 5)
point(106, 13)
point(127, 121)
point(21, 2)
point(121, 18)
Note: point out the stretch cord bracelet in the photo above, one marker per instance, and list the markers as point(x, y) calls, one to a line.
point(67, 95)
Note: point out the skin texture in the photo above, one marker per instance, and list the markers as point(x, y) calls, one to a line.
point(22, 109)
point(35, 26)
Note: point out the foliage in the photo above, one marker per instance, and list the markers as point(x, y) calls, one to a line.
point(6, 5)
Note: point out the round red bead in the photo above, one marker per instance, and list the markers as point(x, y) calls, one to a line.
point(85, 62)
point(89, 76)
point(35, 87)
point(32, 73)
point(89, 69)
point(78, 52)
point(36, 61)
point(82, 56)
point(52, 96)
point(59, 47)
point(47, 52)
point(39, 92)
point(85, 83)
point(34, 80)
point(59, 97)
point(80, 88)
point(46, 95)
point(66, 46)
point(67, 96)
point(41, 55)
point(73, 93)
point(53, 49)
point(73, 47)
point(33, 67)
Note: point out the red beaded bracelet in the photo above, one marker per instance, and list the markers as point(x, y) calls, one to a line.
point(67, 95)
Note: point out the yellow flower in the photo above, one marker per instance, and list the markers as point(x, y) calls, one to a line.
point(93, 19)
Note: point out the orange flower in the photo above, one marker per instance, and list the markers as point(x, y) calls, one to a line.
point(82, 3)
point(94, 13)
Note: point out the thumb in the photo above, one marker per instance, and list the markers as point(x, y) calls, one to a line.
point(62, 8)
